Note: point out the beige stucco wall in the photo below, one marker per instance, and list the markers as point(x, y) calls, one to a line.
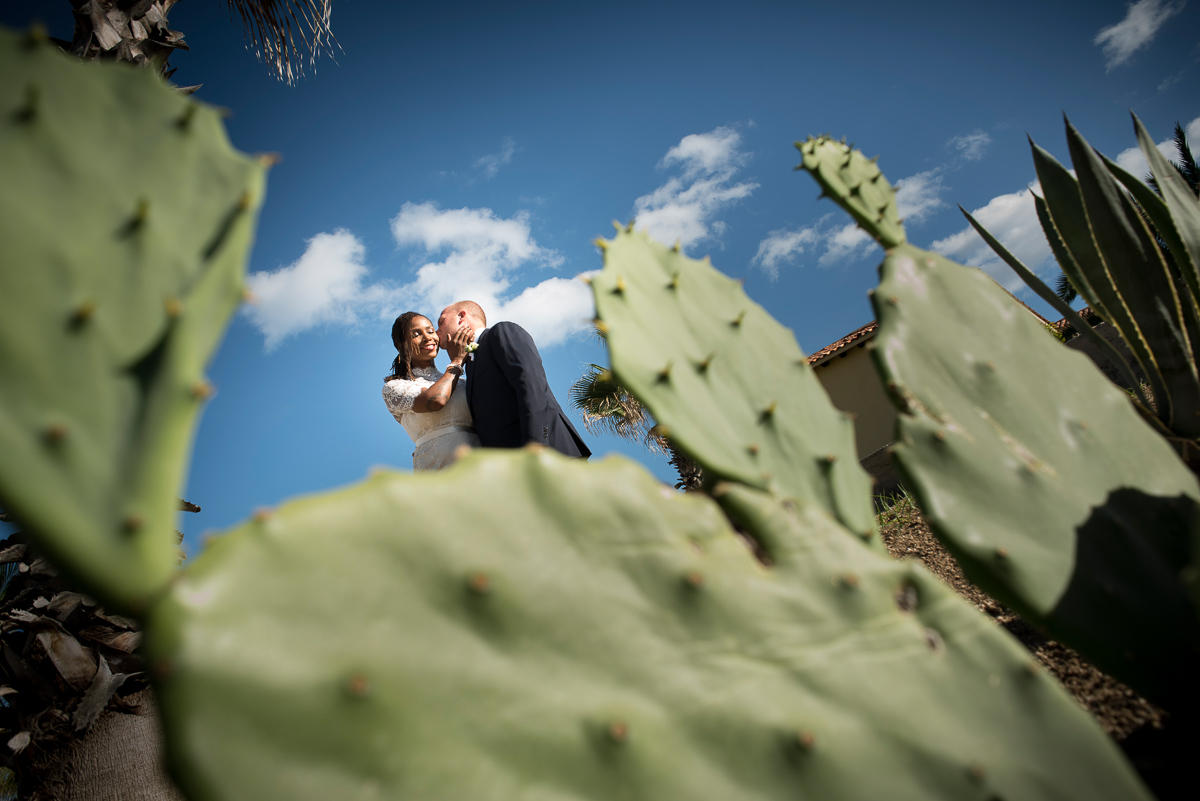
point(853, 386)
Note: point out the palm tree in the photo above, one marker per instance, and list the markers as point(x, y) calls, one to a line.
point(610, 408)
point(1188, 170)
point(1186, 166)
point(283, 33)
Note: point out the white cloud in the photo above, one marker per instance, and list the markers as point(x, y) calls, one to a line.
point(1169, 81)
point(483, 252)
point(971, 146)
point(479, 231)
point(684, 208)
point(1134, 161)
point(782, 246)
point(490, 164)
point(917, 195)
point(705, 153)
point(484, 255)
point(1012, 219)
point(846, 242)
point(481, 257)
point(324, 286)
point(1142, 21)
point(550, 311)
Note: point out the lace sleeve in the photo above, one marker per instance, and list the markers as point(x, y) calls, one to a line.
point(399, 395)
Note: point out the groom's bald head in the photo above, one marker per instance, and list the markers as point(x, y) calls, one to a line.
point(456, 315)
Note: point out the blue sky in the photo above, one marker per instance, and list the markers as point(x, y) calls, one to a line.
point(471, 150)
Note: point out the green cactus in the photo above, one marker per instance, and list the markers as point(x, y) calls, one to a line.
point(858, 185)
point(1039, 474)
point(521, 624)
point(603, 637)
point(126, 217)
point(727, 383)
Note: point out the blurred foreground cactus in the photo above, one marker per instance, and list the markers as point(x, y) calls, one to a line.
point(602, 636)
point(585, 632)
point(121, 266)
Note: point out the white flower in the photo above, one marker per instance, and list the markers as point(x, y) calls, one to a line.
point(472, 347)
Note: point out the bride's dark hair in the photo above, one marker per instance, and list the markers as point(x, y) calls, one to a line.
point(402, 364)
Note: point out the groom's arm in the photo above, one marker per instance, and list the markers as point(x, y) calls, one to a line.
point(521, 365)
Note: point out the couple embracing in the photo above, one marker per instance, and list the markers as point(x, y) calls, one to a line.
point(493, 394)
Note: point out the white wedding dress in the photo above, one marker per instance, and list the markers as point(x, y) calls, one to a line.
point(436, 435)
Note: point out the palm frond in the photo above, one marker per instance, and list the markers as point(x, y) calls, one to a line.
point(1186, 166)
point(607, 407)
point(287, 35)
point(1064, 289)
point(1187, 163)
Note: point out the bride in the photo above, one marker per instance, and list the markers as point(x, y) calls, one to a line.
point(424, 400)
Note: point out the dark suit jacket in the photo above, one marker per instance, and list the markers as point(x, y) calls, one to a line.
point(510, 398)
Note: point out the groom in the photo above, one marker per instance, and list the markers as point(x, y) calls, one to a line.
point(506, 387)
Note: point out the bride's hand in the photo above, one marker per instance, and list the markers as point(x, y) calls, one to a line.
point(456, 347)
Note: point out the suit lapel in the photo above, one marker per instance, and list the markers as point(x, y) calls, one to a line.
point(470, 363)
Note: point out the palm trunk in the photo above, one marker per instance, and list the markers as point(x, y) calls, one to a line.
point(134, 31)
point(119, 759)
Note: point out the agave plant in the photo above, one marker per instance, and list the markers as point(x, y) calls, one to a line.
point(1134, 256)
point(1188, 170)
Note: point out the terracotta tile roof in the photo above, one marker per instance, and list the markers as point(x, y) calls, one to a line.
point(863, 335)
point(1064, 325)
point(859, 336)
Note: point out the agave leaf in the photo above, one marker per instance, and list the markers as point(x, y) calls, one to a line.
point(1182, 204)
point(1063, 206)
point(1141, 276)
point(1063, 209)
point(1145, 392)
point(1164, 225)
point(1063, 256)
point(1047, 294)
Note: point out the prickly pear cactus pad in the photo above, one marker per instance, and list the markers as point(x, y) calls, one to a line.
point(524, 625)
point(856, 184)
point(1039, 474)
point(126, 217)
point(724, 380)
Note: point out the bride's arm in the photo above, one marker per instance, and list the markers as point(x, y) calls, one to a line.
point(435, 397)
